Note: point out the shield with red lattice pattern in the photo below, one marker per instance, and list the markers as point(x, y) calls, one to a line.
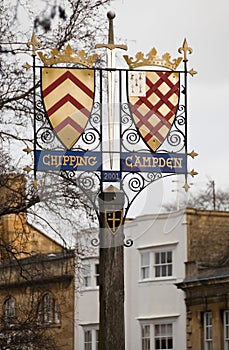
point(68, 96)
point(154, 100)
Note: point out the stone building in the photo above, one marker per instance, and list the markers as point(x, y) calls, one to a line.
point(36, 283)
point(206, 284)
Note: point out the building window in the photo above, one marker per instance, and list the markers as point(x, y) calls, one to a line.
point(226, 329)
point(97, 274)
point(157, 336)
point(163, 336)
point(48, 310)
point(156, 264)
point(163, 264)
point(90, 271)
point(96, 339)
point(207, 330)
point(146, 337)
point(9, 311)
point(145, 265)
point(87, 275)
point(88, 340)
point(91, 338)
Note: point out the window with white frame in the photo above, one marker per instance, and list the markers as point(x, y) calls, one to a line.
point(96, 274)
point(88, 340)
point(207, 330)
point(156, 263)
point(91, 338)
point(163, 263)
point(90, 271)
point(87, 275)
point(145, 337)
point(226, 329)
point(157, 335)
point(145, 265)
point(163, 336)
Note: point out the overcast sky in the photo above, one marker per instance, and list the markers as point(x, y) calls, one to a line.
point(205, 23)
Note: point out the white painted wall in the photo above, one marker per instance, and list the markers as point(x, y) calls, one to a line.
point(87, 314)
point(155, 299)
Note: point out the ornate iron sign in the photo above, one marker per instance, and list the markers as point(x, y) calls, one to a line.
point(132, 135)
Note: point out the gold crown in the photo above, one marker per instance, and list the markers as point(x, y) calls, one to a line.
point(152, 59)
point(68, 55)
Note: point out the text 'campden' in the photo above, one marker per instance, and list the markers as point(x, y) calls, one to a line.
point(159, 162)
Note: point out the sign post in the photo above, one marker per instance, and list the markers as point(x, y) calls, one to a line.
point(146, 138)
point(111, 270)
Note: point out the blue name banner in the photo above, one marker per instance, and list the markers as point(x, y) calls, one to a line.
point(158, 162)
point(92, 161)
point(68, 160)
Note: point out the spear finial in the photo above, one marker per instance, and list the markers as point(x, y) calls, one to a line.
point(186, 49)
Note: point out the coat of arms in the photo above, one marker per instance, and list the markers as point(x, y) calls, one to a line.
point(68, 96)
point(114, 220)
point(153, 100)
point(153, 95)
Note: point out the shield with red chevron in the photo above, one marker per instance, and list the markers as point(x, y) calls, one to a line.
point(68, 96)
point(153, 100)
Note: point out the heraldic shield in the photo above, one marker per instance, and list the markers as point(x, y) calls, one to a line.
point(68, 96)
point(154, 100)
point(114, 220)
